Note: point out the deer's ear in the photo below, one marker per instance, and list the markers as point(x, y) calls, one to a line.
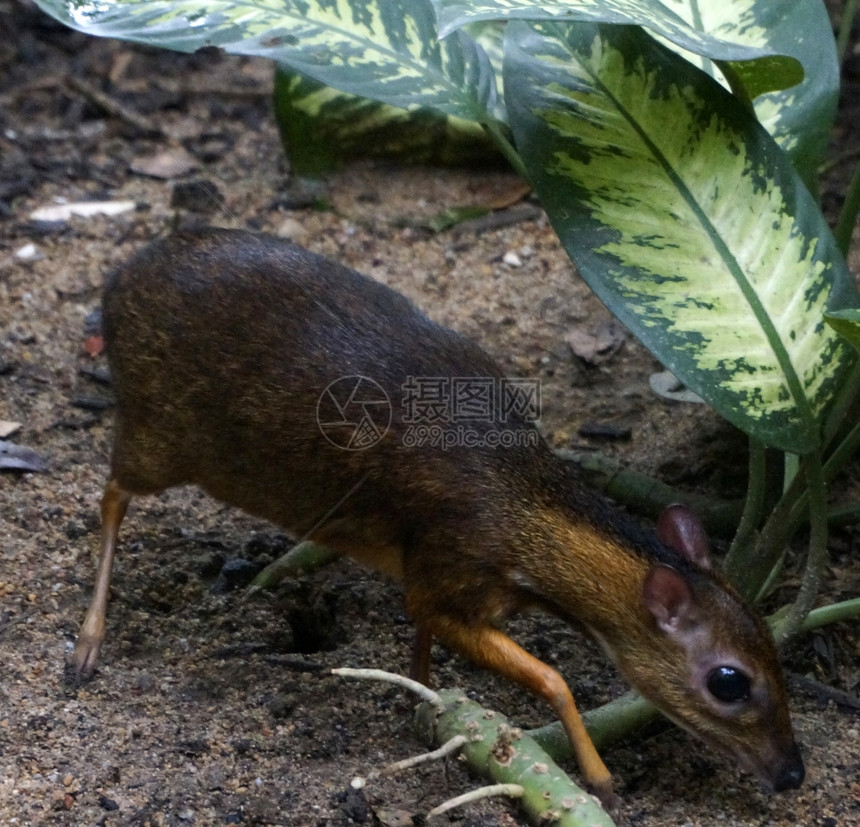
point(680, 529)
point(669, 599)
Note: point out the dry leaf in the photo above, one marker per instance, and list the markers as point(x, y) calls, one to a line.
point(171, 163)
point(19, 458)
point(8, 428)
point(667, 385)
point(597, 344)
point(94, 345)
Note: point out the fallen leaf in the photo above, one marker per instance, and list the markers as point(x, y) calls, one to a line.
point(20, 458)
point(597, 344)
point(8, 428)
point(94, 345)
point(667, 385)
point(513, 194)
point(171, 163)
point(82, 209)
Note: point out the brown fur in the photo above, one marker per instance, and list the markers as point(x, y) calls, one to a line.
point(221, 345)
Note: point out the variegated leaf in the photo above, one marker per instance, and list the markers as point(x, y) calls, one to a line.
point(847, 324)
point(776, 70)
point(322, 127)
point(686, 219)
point(760, 45)
point(386, 50)
point(800, 117)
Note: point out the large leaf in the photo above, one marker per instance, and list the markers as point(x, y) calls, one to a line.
point(847, 324)
point(800, 118)
point(322, 128)
point(759, 47)
point(386, 50)
point(686, 219)
point(772, 69)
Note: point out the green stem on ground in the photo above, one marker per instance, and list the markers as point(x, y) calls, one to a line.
point(606, 725)
point(302, 558)
point(834, 613)
point(648, 496)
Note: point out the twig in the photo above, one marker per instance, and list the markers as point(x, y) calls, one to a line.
point(510, 790)
point(426, 695)
point(506, 755)
point(5, 627)
point(452, 745)
point(114, 107)
point(822, 690)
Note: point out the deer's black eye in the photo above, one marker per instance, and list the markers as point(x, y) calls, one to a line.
point(728, 684)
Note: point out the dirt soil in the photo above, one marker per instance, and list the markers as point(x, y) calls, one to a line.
point(211, 709)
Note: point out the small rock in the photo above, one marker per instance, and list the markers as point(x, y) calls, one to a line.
point(235, 573)
point(281, 706)
point(354, 805)
point(75, 530)
point(292, 230)
point(108, 804)
point(29, 252)
point(196, 196)
point(512, 259)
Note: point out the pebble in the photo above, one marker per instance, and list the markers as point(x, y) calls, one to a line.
point(292, 230)
point(512, 259)
point(29, 252)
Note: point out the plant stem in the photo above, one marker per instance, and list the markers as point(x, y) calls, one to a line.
point(606, 725)
point(835, 462)
point(841, 515)
point(749, 521)
point(846, 23)
point(848, 213)
point(494, 129)
point(752, 571)
point(649, 496)
point(836, 612)
point(817, 555)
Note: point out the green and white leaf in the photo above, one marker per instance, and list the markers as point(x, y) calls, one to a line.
point(322, 128)
point(686, 219)
point(780, 55)
point(775, 69)
point(847, 324)
point(386, 50)
point(800, 117)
